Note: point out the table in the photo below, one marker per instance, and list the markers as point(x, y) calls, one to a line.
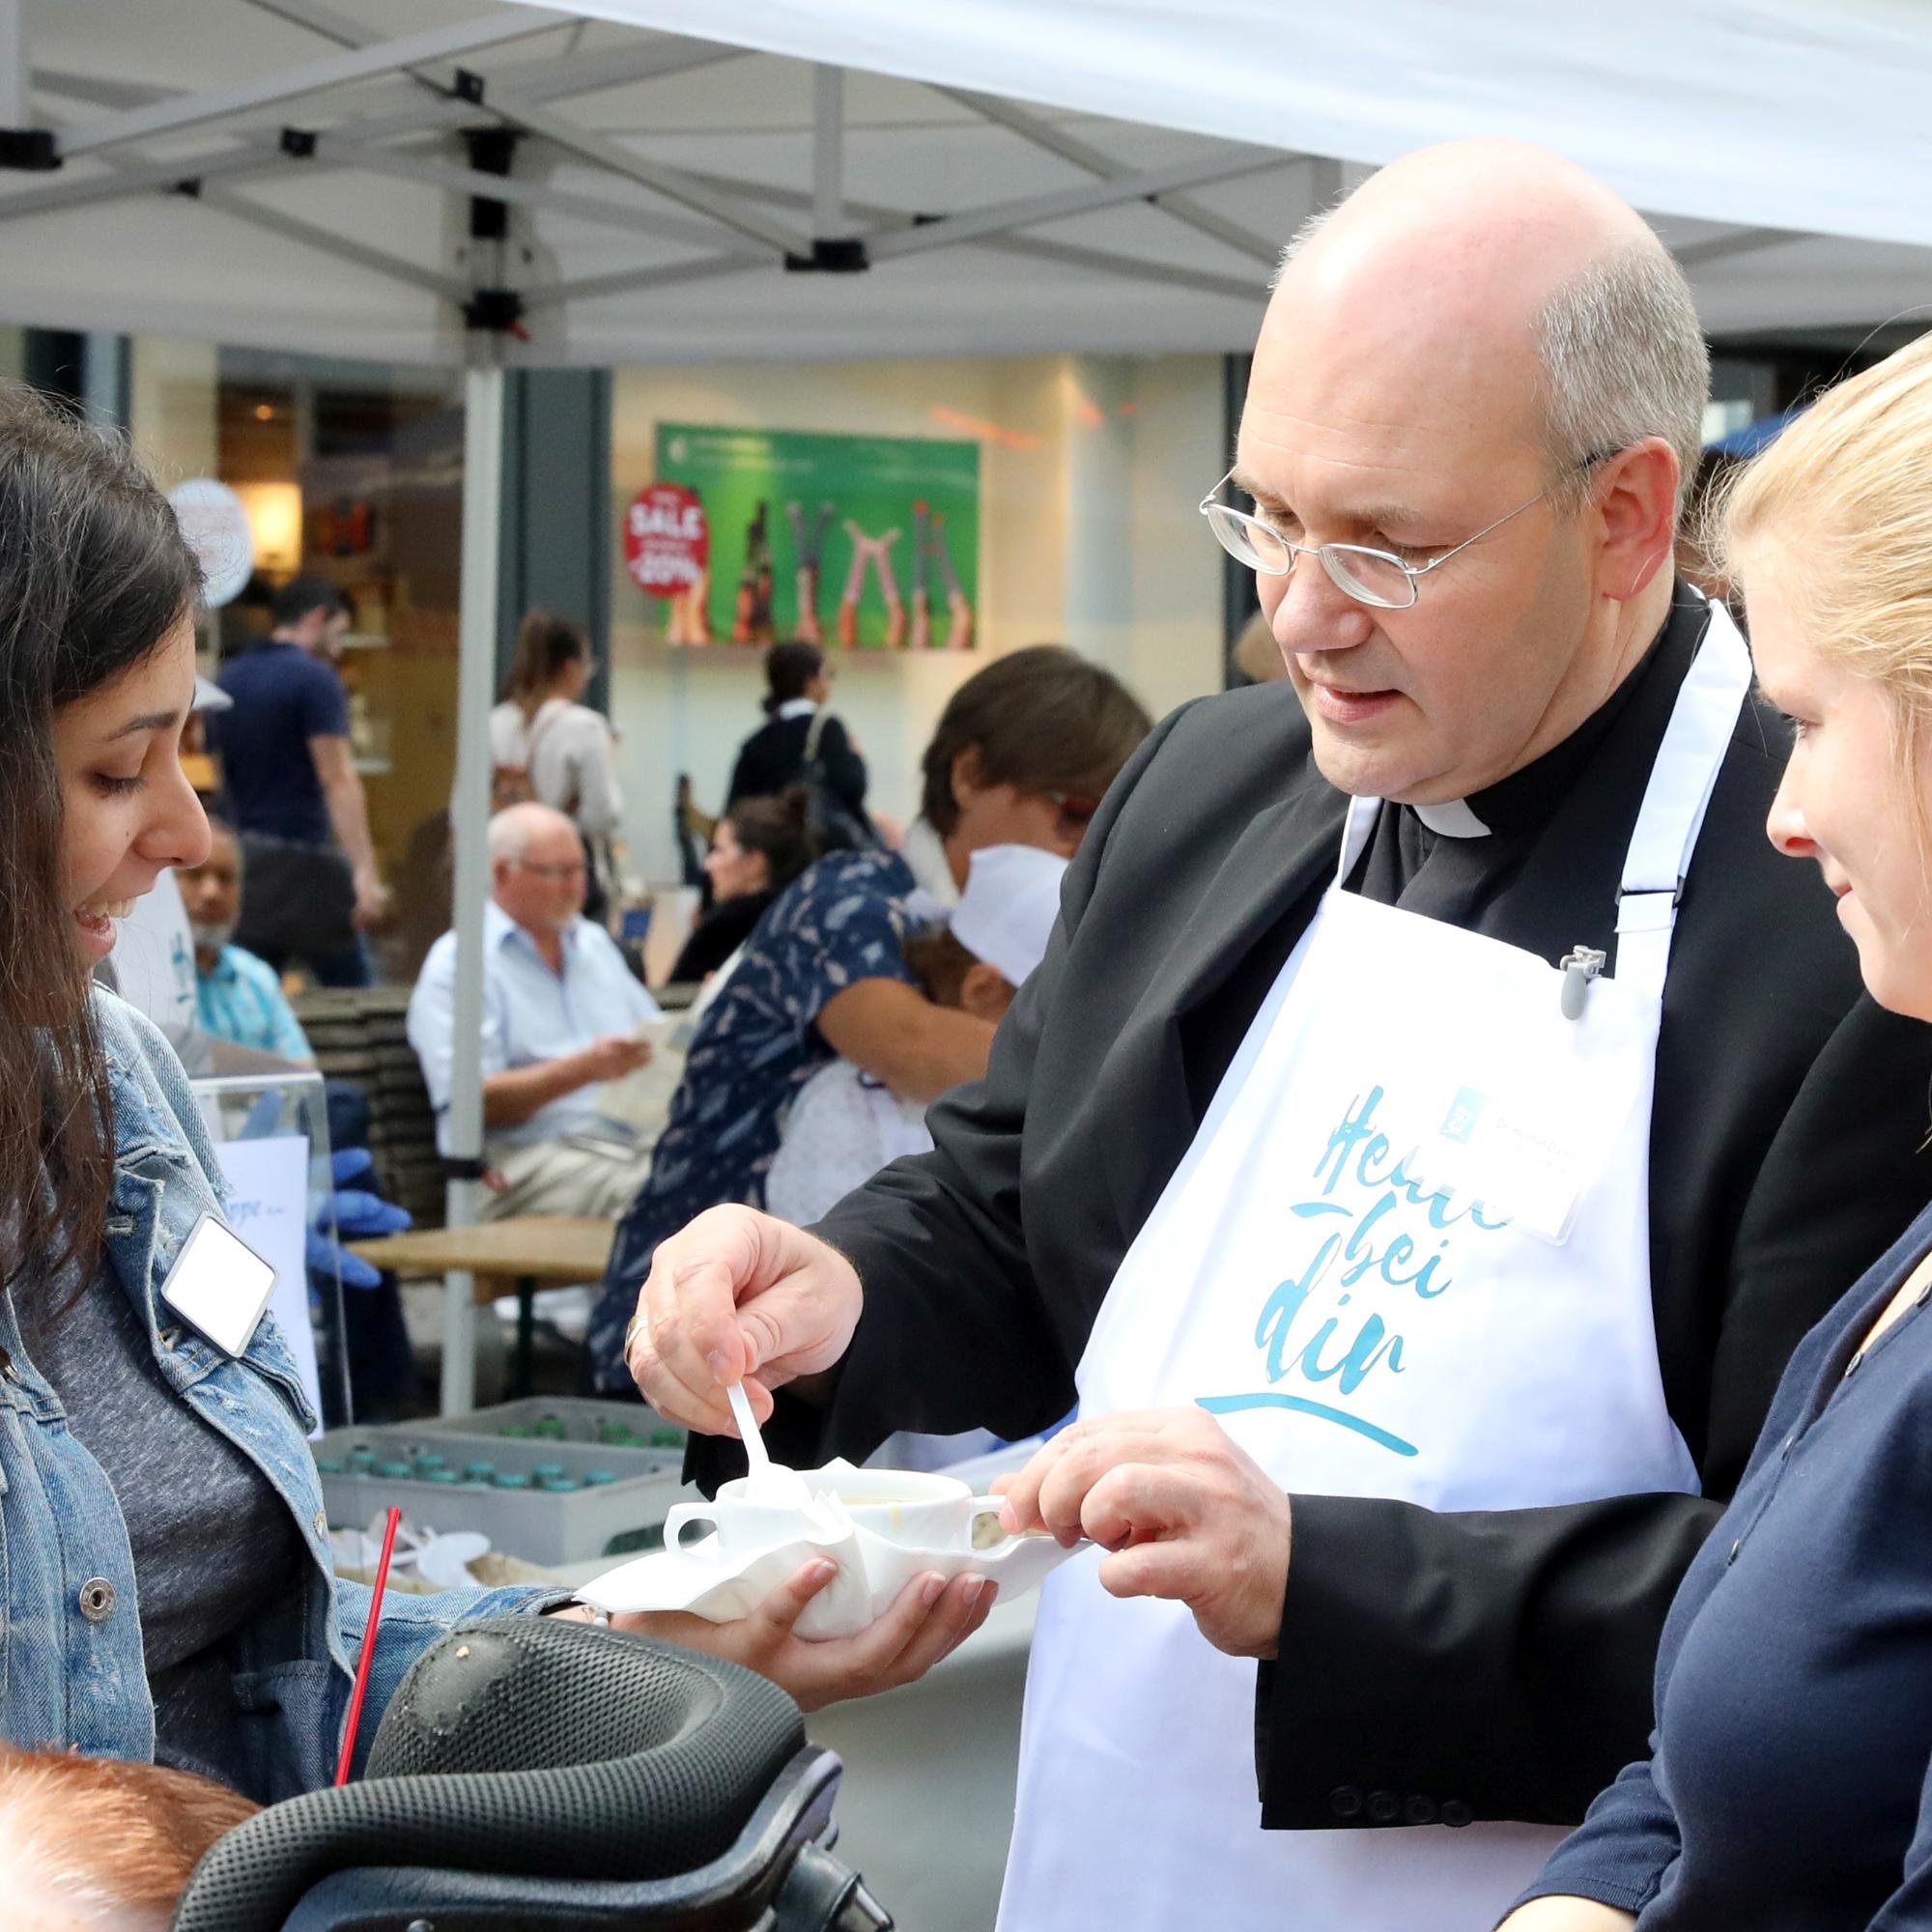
point(521, 1255)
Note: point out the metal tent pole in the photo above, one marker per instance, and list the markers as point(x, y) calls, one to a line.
point(17, 83)
point(475, 684)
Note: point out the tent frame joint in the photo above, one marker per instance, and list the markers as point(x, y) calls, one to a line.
point(492, 151)
point(831, 255)
point(297, 143)
point(495, 312)
point(467, 85)
point(31, 151)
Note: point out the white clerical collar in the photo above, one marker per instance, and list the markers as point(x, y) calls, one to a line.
point(1452, 819)
point(796, 707)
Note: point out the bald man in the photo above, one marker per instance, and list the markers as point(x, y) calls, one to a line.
point(562, 1016)
point(1437, 1117)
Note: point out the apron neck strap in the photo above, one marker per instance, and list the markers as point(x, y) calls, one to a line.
point(1682, 779)
point(1674, 802)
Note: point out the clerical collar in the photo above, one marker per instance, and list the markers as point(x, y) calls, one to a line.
point(1452, 819)
point(1525, 798)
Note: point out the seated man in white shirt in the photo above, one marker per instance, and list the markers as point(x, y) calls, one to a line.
point(562, 1014)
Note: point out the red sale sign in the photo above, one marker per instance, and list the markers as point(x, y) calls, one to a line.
point(667, 541)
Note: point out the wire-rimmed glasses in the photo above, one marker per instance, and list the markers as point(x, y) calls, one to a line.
point(1368, 576)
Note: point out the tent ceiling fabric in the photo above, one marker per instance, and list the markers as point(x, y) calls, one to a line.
point(1801, 113)
point(662, 176)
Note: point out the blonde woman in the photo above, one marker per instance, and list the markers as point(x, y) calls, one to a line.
point(1790, 1782)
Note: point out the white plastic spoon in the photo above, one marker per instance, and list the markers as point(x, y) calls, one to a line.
point(765, 1481)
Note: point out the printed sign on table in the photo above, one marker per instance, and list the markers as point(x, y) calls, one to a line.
point(267, 1207)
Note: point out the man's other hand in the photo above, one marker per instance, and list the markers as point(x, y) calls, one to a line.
point(1185, 1513)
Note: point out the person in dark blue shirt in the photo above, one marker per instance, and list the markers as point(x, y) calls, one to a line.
point(294, 794)
point(1789, 1785)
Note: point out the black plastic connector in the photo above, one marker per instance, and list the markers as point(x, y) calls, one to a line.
point(496, 311)
point(845, 257)
point(30, 151)
point(492, 151)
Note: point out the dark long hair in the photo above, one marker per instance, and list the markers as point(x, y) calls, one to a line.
point(94, 576)
point(788, 669)
point(777, 827)
point(545, 644)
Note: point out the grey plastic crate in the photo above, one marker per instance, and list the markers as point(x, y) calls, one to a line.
point(582, 1419)
point(621, 1518)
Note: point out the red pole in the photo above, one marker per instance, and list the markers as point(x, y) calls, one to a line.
point(368, 1656)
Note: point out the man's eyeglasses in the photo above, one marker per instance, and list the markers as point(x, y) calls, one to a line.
point(1370, 576)
point(556, 875)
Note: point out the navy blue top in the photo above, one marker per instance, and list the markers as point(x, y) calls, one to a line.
point(283, 698)
point(1788, 1786)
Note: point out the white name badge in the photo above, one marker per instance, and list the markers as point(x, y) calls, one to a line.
point(1525, 1138)
point(220, 1285)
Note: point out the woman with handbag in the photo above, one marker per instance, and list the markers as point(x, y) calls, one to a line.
point(801, 743)
point(547, 744)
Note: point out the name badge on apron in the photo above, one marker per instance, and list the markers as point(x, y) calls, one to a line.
point(1520, 1137)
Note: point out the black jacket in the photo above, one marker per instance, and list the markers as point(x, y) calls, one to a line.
point(773, 757)
point(1498, 1663)
point(719, 934)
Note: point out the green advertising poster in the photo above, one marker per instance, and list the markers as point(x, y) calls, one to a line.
point(868, 542)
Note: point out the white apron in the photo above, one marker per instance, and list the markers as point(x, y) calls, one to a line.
point(1406, 1256)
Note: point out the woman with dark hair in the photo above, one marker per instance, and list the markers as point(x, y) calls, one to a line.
point(548, 745)
point(758, 849)
point(1020, 757)
point(166, 1591)
point(800, 738)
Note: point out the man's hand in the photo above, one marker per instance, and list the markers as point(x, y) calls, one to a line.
point(372, 902)
point(613, 1056)
point(1186, 1513)
point(928, 1619)
point(737, 1296)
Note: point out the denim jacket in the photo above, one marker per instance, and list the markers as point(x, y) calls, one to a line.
point(71, 1667)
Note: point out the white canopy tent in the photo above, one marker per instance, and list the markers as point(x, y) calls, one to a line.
point(859, 178)
point(662, 180)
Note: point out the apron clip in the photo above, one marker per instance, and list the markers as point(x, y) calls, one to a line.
point(1578, 968)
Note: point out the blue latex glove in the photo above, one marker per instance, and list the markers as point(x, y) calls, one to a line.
point(352, 1213)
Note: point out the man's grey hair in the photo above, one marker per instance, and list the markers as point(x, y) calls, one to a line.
point(513, 828)
point(1621, 356)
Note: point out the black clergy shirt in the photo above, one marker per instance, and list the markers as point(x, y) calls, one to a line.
point(1435, 1666)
